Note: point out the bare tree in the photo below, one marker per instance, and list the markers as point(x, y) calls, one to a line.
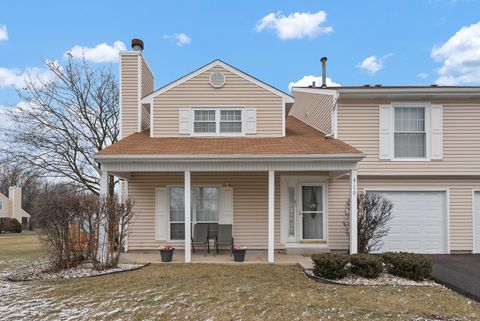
point(62, 122)
point(374, 212)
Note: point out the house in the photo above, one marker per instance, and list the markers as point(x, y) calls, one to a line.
point(11, 206)
point(219, 146)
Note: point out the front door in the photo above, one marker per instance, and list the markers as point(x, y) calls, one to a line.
point(311, 210)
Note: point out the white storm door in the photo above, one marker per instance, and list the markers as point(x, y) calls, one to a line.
point(312, 218)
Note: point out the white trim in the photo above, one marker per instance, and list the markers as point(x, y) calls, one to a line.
point(187, 193)
point(287, 181)
point(284, 110)
point(474, 235)
point(219, 63)
point(120, 96)
point(438, 91)
point(310, 90)
point(151, 118)
point(217, 109)
point(139, 94)
point(427, 114)
point(446, 190)
point(271, 216)
point(335, 117)
point(126, 227)
point(353, 212)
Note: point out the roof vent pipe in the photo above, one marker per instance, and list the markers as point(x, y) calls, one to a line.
point(137, 45)
point(324, 71)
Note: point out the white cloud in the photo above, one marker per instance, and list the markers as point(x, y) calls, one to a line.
point(16, 78)
point(180, 38)
point(3, 32)
point(101, 53)
point(307, 81)
point(296, 25)
point(460, 57)
point(373, 64)
point(423, 75)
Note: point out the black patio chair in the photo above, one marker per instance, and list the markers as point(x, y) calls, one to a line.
point(200, 237)
point(224, 237)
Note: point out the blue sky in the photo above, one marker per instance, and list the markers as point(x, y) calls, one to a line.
point(377, 42)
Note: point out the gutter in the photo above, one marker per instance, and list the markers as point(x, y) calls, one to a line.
point(229, 158)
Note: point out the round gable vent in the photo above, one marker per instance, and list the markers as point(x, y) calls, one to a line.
point(217, 79)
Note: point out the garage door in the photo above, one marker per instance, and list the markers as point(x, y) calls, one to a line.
point(477, 222)
point(418, 224)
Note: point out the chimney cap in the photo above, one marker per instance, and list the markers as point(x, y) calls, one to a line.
point(137, 44)
point(323, 59)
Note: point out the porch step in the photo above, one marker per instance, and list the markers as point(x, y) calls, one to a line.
point(307, 251)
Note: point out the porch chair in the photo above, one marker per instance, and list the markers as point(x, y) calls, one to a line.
point(224, 237)
point(200, 237)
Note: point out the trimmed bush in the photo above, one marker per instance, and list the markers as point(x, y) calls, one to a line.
point(12, 225)
point(366, 265)
point(408, 265)
point(331, 266)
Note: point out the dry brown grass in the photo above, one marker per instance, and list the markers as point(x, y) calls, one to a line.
point(231, 292)
point(19, 249)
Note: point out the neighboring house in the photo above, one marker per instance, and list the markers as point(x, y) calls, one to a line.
point(11, 206)
point(280, 168)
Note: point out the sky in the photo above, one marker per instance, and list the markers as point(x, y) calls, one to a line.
point(280, 42)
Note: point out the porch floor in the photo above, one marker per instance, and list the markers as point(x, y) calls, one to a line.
point(251, 257)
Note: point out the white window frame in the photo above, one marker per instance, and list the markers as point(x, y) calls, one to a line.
point(193, 204)
point(217, 110)
point(427, 108)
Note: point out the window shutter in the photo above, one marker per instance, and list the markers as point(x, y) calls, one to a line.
point(251, 120)
point(161, 213)
point(226, 213)
point(385, 132)
point(184, 121)
point(436, 130)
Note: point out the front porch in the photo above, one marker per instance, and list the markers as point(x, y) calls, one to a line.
point(251, 257)
point(263, 200)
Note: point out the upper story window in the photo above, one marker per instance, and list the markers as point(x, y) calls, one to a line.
point(218, 121)
point(410, 135)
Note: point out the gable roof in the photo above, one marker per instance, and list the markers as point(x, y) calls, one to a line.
point(215, 63)
point(301, 140)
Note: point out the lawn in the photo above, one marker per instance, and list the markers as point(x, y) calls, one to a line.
point(217, 292)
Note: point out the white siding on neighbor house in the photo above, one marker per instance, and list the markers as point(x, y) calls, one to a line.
point(237, 91)
point(5, 211)
point(358, 125)
point(460, 205)
point(314, 109)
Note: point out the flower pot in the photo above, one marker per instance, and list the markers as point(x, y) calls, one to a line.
point(239, 255)
point(166, 255)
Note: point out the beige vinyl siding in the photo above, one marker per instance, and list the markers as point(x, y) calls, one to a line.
point(314, 110)
point(460, 205)
point(147, 79)
point(358, 126)
point(129, 94)
point(145, 117)
point(6, 210)
point(197, 91)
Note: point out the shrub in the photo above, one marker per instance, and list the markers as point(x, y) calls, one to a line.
point(374, 215)
point(408, 265)
point(12, 225)
point(330, 266)
point(366, 265)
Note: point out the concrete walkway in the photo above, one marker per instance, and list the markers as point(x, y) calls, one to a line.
point(460, 273)
point(251, 257)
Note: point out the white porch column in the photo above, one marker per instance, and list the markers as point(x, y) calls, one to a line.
point(188, 244)
point(353, 212)
point(102, 236)
point(271, 216)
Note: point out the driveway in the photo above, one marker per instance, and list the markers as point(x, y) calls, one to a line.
point(458, 272)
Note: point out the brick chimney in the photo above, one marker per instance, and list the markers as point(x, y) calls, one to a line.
point(136, 81)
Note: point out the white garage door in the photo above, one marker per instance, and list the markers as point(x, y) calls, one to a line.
point(477, 222)
point(418, 224)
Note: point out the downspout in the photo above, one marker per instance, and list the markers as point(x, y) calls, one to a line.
point(333, 130)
